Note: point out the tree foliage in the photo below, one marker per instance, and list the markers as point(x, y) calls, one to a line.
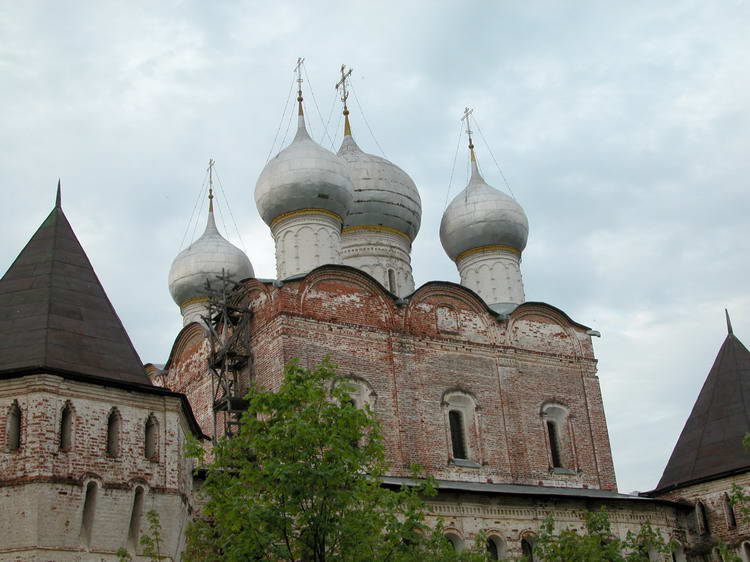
point(301, 481)
point(597, 542)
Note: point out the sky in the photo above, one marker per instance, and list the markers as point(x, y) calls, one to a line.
point(623, 128)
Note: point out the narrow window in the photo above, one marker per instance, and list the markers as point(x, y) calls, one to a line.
point(89, 510)
point(152, 428)
point(66, 427)
point(746, 550)
point(527, 551)
point(731, 519)
point(113, 433)
point(13, 428)
point(554, 443)
point(392, 281)
point(700, 511)
point(457, 434)
point(135, 519)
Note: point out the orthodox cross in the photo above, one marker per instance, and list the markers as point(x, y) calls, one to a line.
point(210, 171)
point(298, 70)
point(467, 113)
point(345, 74)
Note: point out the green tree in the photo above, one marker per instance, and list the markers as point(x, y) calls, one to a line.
point(597, 542)
point(301, 481)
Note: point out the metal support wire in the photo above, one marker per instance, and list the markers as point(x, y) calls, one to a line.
point(231, 214)
point(489, 149)
point(453, 167)
point(197, 201)
point(278, 129)
point(364, 118)
point(322, 121)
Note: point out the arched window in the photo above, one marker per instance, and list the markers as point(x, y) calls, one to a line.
point(113, 433)
point(527, 550)
point(66, 427)
point(702, 518)
point(458, 435)
point(456, 541)
point(746, 551)
point(555, 418)
point(495, 550)
point(136, 513)
point(729, 509)
point(392, 281)
point(151, 438)
point(13, 427)
point(463, 440)
point(89, 510)
point(361, 393)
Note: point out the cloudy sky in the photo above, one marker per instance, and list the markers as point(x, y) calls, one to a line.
point(623, 128)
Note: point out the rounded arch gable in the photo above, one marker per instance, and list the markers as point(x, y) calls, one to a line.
point(543, 329)
point(343, 294)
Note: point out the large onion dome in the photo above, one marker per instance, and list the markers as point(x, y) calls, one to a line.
point(303, 176)
point(384, 195)
point(481, 216)
point(203, 260)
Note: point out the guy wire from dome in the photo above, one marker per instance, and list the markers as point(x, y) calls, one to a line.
point(281, 121)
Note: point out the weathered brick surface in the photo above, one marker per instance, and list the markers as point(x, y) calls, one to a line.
point(42, 488)
point(712, 495)
point(442, 339)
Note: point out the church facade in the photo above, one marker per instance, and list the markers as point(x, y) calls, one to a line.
point(498, 398)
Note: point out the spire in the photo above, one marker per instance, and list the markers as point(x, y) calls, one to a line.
point(474, 167)
point(345, 74)
point(211, 223)
point(58, 199)
point(729, 323)
point(69, 324)
point(301, 129)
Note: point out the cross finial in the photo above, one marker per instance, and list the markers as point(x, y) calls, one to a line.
point(341, 84)
point(298, 70)
point(210, 170)
point(729, 322)
point(467, 113)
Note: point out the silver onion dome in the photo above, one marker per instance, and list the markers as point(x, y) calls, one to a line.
point(482, 216)
point(205, 259)
point(384, 195)
point(303, 176)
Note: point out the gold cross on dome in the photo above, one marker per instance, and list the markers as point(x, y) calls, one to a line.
point(465, 117)
point(345, 74)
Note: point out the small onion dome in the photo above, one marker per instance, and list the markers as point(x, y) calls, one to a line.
point(384, 195)
point(203, 260)
point(303, 176)
point(481, 216)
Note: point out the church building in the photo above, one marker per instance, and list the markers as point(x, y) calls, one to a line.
point(496, 397)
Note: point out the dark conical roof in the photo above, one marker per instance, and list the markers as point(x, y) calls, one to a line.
point(710, 444)
point(55, 315)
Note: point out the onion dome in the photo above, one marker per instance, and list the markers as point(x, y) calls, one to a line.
point(203, 260)
point(303, 176)
point(384, 195)
point(482, 217)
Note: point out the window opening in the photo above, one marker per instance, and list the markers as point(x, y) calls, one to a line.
point(150, 445)
point(527, 551)
point(392, 281)
point(113, 433)
point(702, 518)
point(135, 519)
point(66, 428)
point(457, 434)
point(731, 519)
point(493, 548)
point(13, 428)
point(89, 510)
point(554, 444)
